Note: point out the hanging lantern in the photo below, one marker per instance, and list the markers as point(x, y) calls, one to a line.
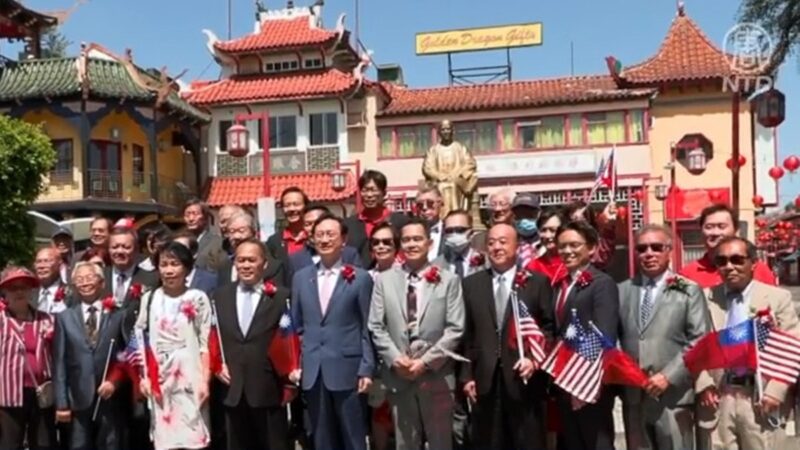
point(776, 173)
point(661, 192)
point(622, 212)
point(758, 201)
point(696, 160)
point(791, 163)
point(730, 165)
point(771, 108)
point(797, 202)
point(761, 223)
point(338, 180)
point(238, 138)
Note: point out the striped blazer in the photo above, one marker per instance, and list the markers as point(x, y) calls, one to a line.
point(12, 362)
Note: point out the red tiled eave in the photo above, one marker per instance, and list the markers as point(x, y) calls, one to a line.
point(245, 190)
point(686, 54)
point(507, 95)
point(279, 34)
point(274, 87)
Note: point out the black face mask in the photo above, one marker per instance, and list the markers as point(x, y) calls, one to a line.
point(226, 245)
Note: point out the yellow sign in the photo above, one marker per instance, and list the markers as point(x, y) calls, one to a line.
point(472, 39)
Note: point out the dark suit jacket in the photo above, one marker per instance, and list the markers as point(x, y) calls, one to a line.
point(253, 379)
point(204, 280)
point(147, 281)
point(77, 367)
point(209, 251)
point(275, 272)
point(335, 346)
point(304, 258)
point(598, 302)
point(357, 234)
point(485, 349)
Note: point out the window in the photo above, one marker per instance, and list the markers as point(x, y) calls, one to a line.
point(281, 66)
point(414, 140)
point(509, 135)
point(282, 132)
point(324, 129)
point(605, 128)
point(312, 63)
point(222, 137)
point(62, 171)
point(387, 143)
point(547, 132)
point(478, 137)
point(637, 126)
point(138, 165)
point(575, 129)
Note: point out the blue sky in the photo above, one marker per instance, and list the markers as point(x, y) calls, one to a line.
point(167, 33)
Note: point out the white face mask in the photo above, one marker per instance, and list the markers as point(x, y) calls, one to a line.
point(457, 242)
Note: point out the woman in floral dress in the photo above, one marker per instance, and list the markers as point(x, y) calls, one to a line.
point(177, 321)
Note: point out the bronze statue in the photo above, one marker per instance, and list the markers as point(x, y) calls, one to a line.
point(450, 167)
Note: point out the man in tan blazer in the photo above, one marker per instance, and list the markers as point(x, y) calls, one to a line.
point(732, 414)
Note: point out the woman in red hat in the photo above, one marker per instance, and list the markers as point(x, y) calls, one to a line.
point(26, 391)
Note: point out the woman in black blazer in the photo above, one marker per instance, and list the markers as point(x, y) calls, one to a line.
point(594, 297)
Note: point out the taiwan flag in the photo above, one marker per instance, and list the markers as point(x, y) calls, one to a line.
point(284, 349)
point(731, 348)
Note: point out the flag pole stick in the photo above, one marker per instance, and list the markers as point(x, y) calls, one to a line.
point(515, 313)
point(219, 334)
point(771, 419)
point(105, 374)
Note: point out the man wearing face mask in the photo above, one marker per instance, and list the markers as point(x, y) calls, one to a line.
point(429, 207)
point(526, 210)
point(459, 256)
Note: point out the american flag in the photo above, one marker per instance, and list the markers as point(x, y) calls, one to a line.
point(132, 354)
point(576, 363)
point(778, 353)
point(532, 335)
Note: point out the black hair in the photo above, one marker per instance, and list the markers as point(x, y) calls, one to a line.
point(587, 232)
point(324, 209)
point(294, 190)
point(324, 217)
point(178, 251)
point(160, 233)
point(376, 177)
point(549, 213)
point(713, 209)
point(194, 246)
point(459, 212)
point(417, 221)
point(203, 207)
point(254, 241)
point(108, 221)
point(386, 226)
point(752, 251)
point(588, 213)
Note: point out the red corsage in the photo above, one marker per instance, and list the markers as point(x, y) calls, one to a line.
point(60, 295)
point(269, 288)
point(432, 275)
point(188, 309)
point(109, 304)
point(677, 283)
point(477, 260)
point(521, 279)
point(348, 273)
point(135, 291)
point(584, 279)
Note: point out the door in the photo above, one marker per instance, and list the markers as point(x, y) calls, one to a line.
point(105, 169)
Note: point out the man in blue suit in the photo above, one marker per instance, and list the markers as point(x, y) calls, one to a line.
point(308, 256)
point(330, 308)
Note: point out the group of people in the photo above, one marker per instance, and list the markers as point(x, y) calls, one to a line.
point(406, 332)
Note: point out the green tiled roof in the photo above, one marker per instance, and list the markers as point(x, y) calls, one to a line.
point(58, 77)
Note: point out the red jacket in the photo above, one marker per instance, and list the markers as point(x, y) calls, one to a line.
point(704, 273)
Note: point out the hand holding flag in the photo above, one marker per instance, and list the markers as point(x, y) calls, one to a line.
point(284, 349)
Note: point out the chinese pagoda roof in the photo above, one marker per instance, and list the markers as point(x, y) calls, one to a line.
point(507, 95)
point(245, 190)
point(281, 34)
point(105, 79)
point(15, 19)
point(686, 55)
point(274, 87)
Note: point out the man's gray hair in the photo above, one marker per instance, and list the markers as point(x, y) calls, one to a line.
point(655, 228)
point(251, 222)
point(429, 189)
point(95, 268)
point(508, 194)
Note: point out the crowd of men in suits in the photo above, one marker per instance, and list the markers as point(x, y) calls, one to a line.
point(404, 324)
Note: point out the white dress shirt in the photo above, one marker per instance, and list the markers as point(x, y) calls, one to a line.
point(738, 312)
point(115, 275)
point(47, 303)
point(333, 272)
point(190, 277)
point(436, 238)
point(240, 303)
point(508, 282)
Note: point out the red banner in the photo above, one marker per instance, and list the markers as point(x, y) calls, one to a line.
point(690, 203)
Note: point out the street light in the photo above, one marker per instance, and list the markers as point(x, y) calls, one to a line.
point(696, 160)
point(238, 139)
point(339, 179)
point(661, 192)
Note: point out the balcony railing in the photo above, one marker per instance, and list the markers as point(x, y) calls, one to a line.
point(105, 184)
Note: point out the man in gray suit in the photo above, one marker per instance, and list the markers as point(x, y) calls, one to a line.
point(661, 314)
point(417, 321)
point(87, 335)
point(197, 217)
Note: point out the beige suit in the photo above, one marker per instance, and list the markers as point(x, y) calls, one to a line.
point(736, 423)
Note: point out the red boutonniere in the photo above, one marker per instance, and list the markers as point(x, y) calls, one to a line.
point(432, 275)
point(135, 291)
point(109, 304)
point(584, 279)
point(677, 283)
point(477, 260)
point(61, 294)
point(269, 288)
point(521, 279)
point(348, 273)
point(188, 309)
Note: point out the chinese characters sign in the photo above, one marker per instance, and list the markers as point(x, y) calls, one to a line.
point(560, 163)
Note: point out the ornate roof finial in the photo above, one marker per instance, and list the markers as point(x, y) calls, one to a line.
point(681, 8)
point(289, 4)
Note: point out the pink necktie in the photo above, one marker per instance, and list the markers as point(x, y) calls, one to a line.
point(326, 290)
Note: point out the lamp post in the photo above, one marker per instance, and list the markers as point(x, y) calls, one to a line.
point(357, 173)
point(673, 193)
point(238, 138)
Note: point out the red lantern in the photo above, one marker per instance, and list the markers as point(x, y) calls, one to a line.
point(742, 161)
point(636, 195)
point(622, 212)
point(758, 201)
point(791, 163)
point(761, 223)
point(776, 173)
point(797, 201)
point(238, 140)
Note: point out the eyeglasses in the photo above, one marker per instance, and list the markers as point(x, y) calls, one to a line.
point(656, 247)
point(736, 260)
point(456, 230)
point(427, 204)
point(388, 242)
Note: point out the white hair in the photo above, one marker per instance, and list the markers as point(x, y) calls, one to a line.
point(95, 268)
point(508, 194)
point(251, 222)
